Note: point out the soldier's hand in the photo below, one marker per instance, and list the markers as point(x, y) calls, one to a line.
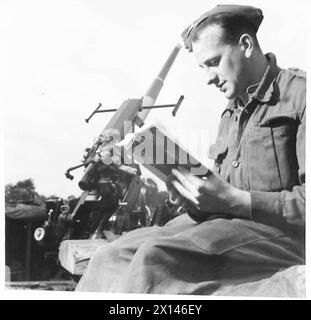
point(176, 198)
point(213, 195)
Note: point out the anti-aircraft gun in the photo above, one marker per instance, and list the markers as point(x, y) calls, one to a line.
point(111, 182)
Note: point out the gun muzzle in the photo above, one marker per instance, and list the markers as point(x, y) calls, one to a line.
point(84, 183)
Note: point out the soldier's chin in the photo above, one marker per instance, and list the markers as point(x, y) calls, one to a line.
point(229, 94)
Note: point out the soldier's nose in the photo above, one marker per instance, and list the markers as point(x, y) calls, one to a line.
point(211, 78)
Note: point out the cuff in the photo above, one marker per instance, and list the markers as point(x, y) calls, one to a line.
point(266, 206)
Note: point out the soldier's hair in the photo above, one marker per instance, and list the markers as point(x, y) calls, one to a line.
point(233, 25)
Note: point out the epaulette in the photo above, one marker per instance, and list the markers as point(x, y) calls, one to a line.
point(298, 72)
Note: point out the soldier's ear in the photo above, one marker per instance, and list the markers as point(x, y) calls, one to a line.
point(246, 43)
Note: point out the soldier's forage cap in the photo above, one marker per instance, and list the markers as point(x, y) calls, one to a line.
point(252, 14)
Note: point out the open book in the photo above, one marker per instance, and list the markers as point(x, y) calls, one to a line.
point(159, 152)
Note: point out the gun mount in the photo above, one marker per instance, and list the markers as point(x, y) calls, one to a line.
point(105, 164)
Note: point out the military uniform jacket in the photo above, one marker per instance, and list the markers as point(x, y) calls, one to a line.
point(261, 147)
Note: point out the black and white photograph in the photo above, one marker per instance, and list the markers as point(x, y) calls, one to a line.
point(154, 149)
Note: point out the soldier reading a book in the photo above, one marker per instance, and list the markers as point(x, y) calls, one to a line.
point(246, 218)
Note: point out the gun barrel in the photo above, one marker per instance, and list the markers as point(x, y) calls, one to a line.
point(156, 86)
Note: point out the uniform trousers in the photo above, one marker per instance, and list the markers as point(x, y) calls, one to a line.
point(184, 257)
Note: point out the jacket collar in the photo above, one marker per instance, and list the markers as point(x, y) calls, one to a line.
point(263, 90)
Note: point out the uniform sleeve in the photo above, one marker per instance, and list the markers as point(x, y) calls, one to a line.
point(285, 206)
point(26, 212)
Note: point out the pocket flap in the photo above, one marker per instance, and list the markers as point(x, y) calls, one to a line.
point(278, 120)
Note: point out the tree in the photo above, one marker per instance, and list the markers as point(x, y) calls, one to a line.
point(23, 190)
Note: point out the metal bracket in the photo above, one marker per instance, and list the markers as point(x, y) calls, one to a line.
point(141, 108)
point(70, 176)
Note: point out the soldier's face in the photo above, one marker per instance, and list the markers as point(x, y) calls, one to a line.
point(225, 64)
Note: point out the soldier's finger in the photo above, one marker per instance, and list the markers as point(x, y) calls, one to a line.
point(193, 189)
point(185, 192)
point(196, 181)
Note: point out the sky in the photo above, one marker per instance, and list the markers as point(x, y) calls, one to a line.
point(62, 58)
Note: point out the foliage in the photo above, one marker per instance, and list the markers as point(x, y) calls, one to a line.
point(22, 191)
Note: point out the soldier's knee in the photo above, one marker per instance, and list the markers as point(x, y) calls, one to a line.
point(101, 253)
point(151, 252)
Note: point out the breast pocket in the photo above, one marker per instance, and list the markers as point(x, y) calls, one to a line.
point(271, 154)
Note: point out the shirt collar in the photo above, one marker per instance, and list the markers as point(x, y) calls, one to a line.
point(263, 90)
